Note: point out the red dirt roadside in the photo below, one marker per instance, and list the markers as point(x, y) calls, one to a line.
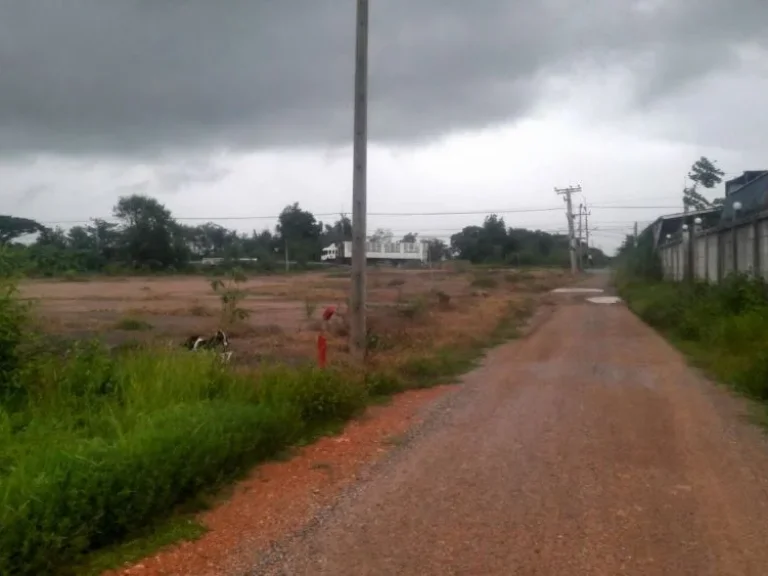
point(588, 448)
point(280, 497)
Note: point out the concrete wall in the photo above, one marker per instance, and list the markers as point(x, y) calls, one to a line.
point(714, 256)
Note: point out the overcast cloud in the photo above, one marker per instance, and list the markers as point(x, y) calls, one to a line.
point(100, 98)
point(96, 77)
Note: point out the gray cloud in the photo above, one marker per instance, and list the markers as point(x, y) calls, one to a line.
point(138, 77)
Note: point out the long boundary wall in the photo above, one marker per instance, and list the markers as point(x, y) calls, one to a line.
point(711, 255)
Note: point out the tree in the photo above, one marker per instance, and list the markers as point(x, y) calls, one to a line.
point(437, 250)
point(150, 237)
point(706, 174)
point(693, 199)
point(381, 235)
point(12, 227)
point(300, 233)
point(410, 237)
point(54, 237)
point(340, 231)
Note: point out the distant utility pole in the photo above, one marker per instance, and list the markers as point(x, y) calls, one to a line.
point(359, 180)
point(635, 234)
point(287, 265)
point(584, 252)
point(569, 214)
point(579, 249)
point(587, 214)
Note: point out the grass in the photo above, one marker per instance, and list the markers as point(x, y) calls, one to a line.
point(178, 528)
point(135, 324)
point(722, 328)
point(98, 451)
point(99, 447)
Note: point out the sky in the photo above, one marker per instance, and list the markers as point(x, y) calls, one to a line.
point(227, 111)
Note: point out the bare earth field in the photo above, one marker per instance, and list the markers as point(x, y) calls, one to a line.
point(284, 310)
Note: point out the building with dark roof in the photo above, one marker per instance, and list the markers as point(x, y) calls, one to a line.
point(750, 190)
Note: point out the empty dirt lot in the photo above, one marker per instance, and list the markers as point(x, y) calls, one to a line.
point(282, 310)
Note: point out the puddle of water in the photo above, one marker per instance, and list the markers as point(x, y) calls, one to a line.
point(604, 300)
point(577, 291)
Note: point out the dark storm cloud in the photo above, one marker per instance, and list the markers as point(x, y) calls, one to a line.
point(139, 77)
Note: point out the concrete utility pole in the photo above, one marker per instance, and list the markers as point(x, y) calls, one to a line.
point(587, 214)
point(359, 180)
point(569, 214)
point(635, 234)
point(579, 249)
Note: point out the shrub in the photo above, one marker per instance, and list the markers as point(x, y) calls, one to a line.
point(231, 295)
point(13, 318)
point(320, 396)
point(309, 308)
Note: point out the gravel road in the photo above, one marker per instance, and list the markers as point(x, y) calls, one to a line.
point(588, 447)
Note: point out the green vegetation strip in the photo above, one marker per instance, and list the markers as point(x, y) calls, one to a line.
point(723, 328)
point(96, 446)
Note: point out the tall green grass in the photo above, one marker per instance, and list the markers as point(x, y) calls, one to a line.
point(96, 445)
point(724, 327)
point(99, 446)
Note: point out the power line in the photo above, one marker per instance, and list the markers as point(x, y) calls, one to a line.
point(327, 214)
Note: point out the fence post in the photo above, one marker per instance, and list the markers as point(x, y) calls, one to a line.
point(706, 258)
point(756, 247)
point(720, 256)
point(690, 263)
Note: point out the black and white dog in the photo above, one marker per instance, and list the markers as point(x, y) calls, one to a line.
point(217, 341)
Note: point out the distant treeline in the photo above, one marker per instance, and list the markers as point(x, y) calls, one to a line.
point(145, 237)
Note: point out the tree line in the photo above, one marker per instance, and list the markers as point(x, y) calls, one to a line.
point(145, 237)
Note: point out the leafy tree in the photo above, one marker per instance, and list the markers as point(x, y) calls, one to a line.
point(382, 235)
point(494, 243)
point(410, 237)
point(150, 237)
point(693, 199)
point(12, 227)
point(340, 231)
point(54, 237)
point(300, 232)
point(437, 250)
point(705, 173)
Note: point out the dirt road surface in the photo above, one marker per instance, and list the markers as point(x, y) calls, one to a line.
point(588, 447)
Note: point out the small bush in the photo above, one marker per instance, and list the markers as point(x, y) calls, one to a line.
point(395, 282)
point(309, 308)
